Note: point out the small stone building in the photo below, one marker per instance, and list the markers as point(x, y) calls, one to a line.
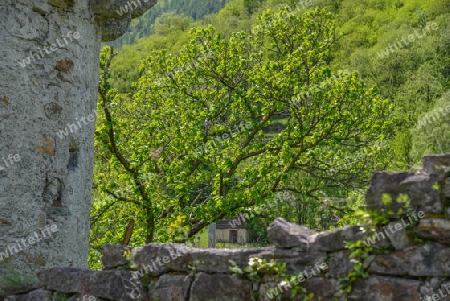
point(232, 230)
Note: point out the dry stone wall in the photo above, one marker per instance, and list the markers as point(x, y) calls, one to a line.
point(403, 270)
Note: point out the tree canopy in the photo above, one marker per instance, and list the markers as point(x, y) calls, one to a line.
point(190, 147)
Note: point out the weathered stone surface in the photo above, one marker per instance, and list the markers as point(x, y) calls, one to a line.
point(399, 239)
point(436, 288)
point(436, 229)
point(115, 16)
point(303, 263)
point(115, 285)
point(157, 259)
point(335, 240)
point(426, 260)
point(265, 287)
point(36, 295)
point(419, 187)
point(218, 287)
point(170, 288)
point(381, 288)
point(39, 190)
point(447, 188)
point(113, 256)
point(323, 290)
point(111, 9)
point(43, 92)
point(436, 164)
point(218, 260)
point(111, 284)
point(60, 3)
point(112, 29)
point(295, 260)
point(377, 237)
point(284, 234)
point(340, 264)
point(445, 290)
point(18, 290)
point(65, 280)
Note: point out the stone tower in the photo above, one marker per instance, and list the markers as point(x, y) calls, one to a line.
point(48, 82)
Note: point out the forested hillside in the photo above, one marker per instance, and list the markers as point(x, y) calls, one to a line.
point(261, 99)
point(145, 26)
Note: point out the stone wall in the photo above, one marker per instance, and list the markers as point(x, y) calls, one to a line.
point(412, 261)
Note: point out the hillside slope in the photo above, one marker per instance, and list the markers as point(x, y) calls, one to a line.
point(143, 27)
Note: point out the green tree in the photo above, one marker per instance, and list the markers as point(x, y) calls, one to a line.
point(432, 128)
point(190, 147)
point(171, 22)
point(252, 5)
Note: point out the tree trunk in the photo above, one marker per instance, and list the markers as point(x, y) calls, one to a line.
point(48, 92)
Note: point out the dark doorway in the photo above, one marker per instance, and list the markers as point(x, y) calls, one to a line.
point(233, 236)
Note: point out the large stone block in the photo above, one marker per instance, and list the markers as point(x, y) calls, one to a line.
point(435, 288)
point(157, 259)
point(436, 164)
point(284, 234)
point(36, 295)
point(427, 260)
point(65, 280)
point(321, 288)
point(335, 240)
point(340, 264)
point(170, 288)
point(447, 188)
point(444, 289)
point(398, 237)
point(115, 285)
point(111, 284)
point(436, 229)
point(218, 260)
point(296, 260)
point(423, 191)
point(17, 290)
point(382, 288)
point(113, 256)
point(112, 29)
point(219, 287)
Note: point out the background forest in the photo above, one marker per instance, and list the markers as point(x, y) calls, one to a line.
point(209, 109)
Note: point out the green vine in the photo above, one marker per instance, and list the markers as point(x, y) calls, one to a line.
point(359, 253)
point(258, 268)
point(360, 250)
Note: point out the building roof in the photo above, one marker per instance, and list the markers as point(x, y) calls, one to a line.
point(231, 223)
